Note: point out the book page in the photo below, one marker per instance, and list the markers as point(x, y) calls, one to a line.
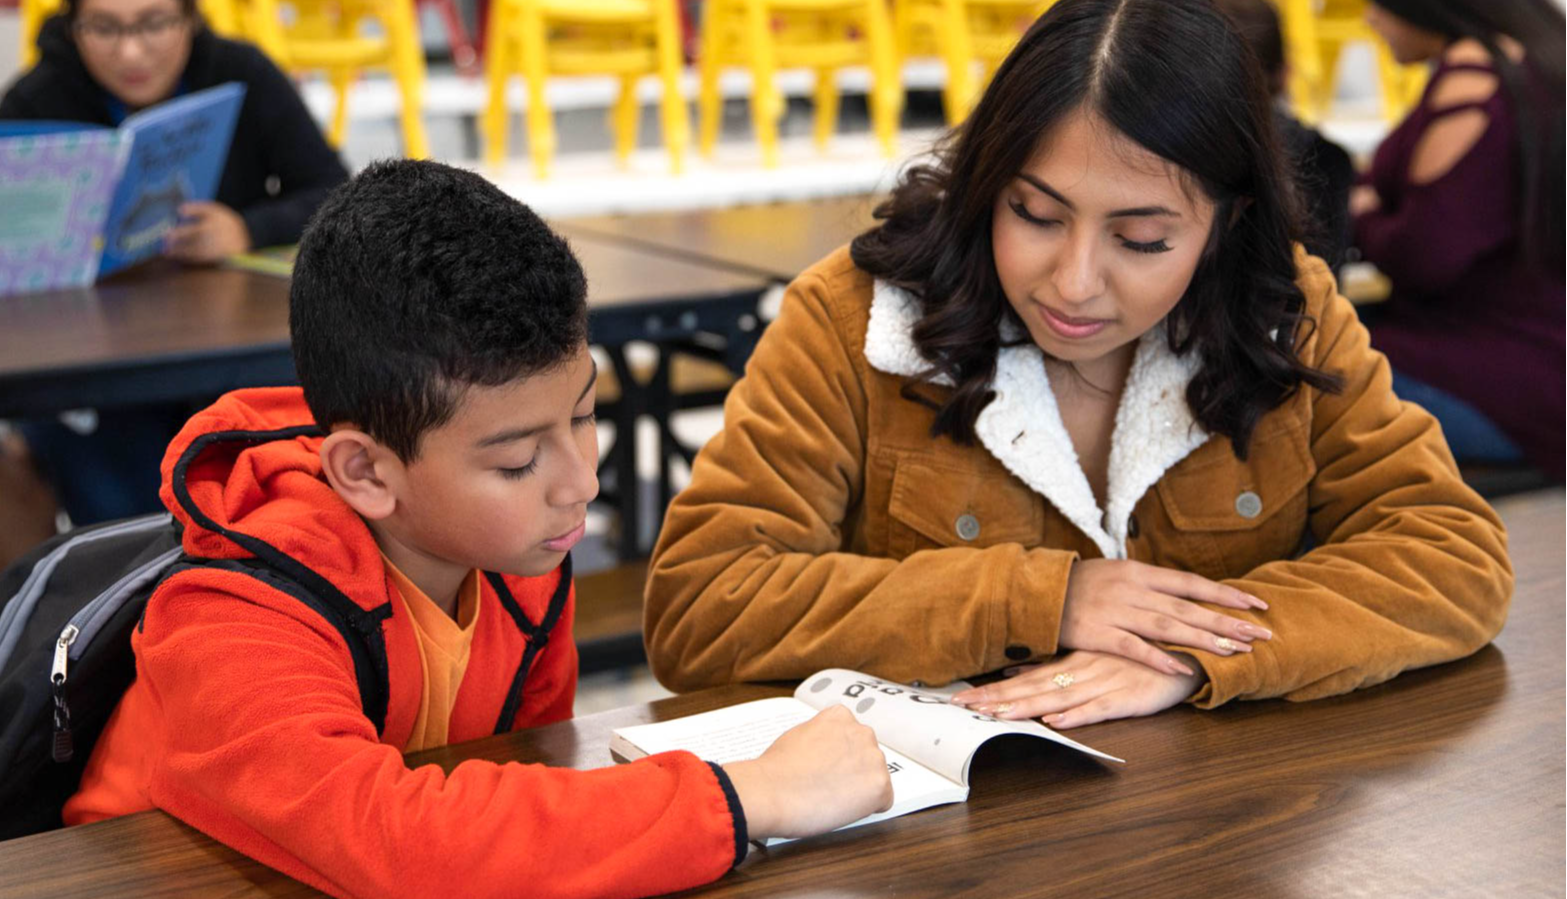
point(732, 734)
point(744, 731)
point(921, 723)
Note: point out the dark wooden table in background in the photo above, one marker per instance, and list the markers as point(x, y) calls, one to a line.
point(1444, 782)
point(776, 241)
point(163, 332)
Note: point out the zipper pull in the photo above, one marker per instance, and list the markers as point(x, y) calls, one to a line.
point(64, 746)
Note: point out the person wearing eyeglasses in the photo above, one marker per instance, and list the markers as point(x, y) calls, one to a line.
point(101, 60)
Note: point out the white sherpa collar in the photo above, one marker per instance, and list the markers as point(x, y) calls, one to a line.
point(1022, 426)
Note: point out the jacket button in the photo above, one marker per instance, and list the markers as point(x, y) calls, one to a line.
point(1018, 653)
point(1248, 504)
point(967, 526)
point(1132, 530)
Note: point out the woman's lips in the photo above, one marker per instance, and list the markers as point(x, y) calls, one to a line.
point(1069, 327)
point(566, 541)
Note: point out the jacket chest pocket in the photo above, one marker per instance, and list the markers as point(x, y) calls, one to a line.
point(1230, 517)
point(934, 506)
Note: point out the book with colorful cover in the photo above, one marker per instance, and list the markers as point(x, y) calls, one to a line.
point(89, 201)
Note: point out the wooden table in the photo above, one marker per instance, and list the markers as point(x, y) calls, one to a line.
point(776, 240)
point(1443, 782)
point(165, 332)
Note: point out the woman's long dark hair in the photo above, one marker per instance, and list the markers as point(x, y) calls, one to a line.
point(1537, 26)
point(1173, 77)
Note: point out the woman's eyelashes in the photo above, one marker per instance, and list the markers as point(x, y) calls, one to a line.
point(1022, 212)
point(1150, 246)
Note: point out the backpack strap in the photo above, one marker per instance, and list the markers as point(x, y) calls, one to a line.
point(361, 629)
point(537, 635)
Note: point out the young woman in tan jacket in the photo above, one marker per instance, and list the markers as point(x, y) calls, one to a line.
point(1080, 405)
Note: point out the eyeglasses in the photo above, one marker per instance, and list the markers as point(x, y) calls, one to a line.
point(155, 33)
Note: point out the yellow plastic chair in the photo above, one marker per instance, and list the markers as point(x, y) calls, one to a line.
point(1315, 34)
point(764, 36)
point(221, 16)
point(330, 36)
point(961, 33)
point(543, 38)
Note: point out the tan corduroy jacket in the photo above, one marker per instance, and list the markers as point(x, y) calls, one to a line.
point(825, 527)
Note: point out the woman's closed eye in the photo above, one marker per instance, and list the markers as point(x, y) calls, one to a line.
point(1021, 210)
point(1151, 246)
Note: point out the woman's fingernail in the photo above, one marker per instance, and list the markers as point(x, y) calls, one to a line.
point(1252, 630)
point(1256, 602)
point(1178, 668)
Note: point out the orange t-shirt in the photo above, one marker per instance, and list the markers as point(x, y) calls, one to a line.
point(443, 653)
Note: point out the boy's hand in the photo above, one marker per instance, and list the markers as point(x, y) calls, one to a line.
point(817, 777)
point(210, 232)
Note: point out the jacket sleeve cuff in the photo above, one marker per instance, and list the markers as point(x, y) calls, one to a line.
point(1228, 676)
point(1033, 599)
point(736, 811)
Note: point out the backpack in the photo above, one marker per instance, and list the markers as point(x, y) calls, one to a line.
point(67, 611)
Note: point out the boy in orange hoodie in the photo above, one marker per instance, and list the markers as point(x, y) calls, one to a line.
point(431, 477)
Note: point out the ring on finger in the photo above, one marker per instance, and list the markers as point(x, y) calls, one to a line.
point(1224, 643)
point(1064, 679)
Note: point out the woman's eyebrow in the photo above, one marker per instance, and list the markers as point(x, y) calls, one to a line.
point(1119, 213)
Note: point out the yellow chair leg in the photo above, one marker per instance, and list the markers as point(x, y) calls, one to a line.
point(766, 101)
point(408, 70)
point(957, 48)
point(672, 106)
point(710, 103)
point(498, 67)
point(826, 106)
point(886, 80)
point(623, 119)
point(535, 70)
point(341, 80)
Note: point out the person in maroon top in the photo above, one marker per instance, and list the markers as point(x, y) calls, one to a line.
point(1463, 212)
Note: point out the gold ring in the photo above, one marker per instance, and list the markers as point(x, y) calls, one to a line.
point(1064, 680)
point(1003, 707)
point(1224, 643)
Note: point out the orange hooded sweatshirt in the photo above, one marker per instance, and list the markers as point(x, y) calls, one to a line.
point(245, 719)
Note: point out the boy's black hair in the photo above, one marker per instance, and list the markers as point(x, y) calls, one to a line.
point(416, 280)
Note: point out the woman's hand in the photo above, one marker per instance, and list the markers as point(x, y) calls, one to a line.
point(1363, 199)
point(1083, 688)
point(209, 232)
point(1116, 606)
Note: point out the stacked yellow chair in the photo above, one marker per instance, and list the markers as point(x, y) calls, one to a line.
point(329, 36)
point(1315, 33)
point(764, 36)
point(221, 15)
point(544, 38)
point(961, 33)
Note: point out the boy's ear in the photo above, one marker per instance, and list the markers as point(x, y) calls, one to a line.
point(357, 467)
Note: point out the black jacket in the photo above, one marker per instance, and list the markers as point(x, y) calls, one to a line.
point(279, 167)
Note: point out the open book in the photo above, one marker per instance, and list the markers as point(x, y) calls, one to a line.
point(929, 742)
point(83, 201)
